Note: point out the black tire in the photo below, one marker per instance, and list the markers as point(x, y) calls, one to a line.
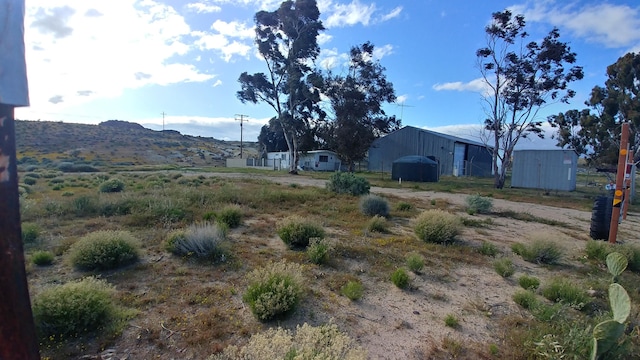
point(601, 218)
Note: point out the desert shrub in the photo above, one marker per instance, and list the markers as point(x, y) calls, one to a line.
point(74, 309)
point(562, 290)
point(42, 258)
point(598, 250)
point(352, 290)
point(84, 206)
point(437, 226)
point(29, 181)
point(415, 262)
point(526, 299)
point(404, 206)
point(479, 204)
point(488, 249)
point(296, 231)
point(539, 251)
point(30, 232)
point(308, 342)
point(318, 251)
point(200, 241)
point(504, 267)
point(231, 215)
point(372, 205)
point(400, 278)
point(112, 185)
point(104, 250)
point(528, 282)
point(348, 183)
point(632, 253)
point(378, 224)
point(451, 321)
point(274, 290)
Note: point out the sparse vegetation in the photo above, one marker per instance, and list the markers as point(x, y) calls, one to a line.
point(562, 290)
point(539, 251)
point(30, 232)
point(404, 206)
point(451, 321)
point(488, 249)
point(400, 278)
point(348, 183)
point(318, 251)
point(352, 290)
point(479, 204)
point(373, 205)
point(230, 215)
point(437, 226)
point(104, 250)
point(415, 262)
point(200, 241)
point(504, 267)
point(528, 282)
point(112, 185)
point(526, 299)
point(296, 231)
point(378, 224)
point(42, 258)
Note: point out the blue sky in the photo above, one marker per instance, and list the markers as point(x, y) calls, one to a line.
point(93, 60)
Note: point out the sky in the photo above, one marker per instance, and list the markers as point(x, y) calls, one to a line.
point(175, 63)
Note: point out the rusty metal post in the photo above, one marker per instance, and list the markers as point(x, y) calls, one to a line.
point(17, 330)
point(619, 192)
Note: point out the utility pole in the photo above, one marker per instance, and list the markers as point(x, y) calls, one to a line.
point(163, 114)
point(242, 119)
point(619, 202)
point(402, 106)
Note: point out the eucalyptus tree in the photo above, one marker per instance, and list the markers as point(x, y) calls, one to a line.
point(520, 77)
point(595, 131)
point(356, 100)
point(287, 41)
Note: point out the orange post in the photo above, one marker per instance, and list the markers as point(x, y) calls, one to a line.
point(619, 193)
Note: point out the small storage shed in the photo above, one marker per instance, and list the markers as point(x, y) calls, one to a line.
point(545, 169)
point(415, 168)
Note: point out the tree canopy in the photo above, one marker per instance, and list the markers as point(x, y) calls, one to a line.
point(594, 132)
point(356, 104)
point(520, 77)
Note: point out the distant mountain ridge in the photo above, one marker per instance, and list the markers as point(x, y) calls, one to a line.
point(121, 142)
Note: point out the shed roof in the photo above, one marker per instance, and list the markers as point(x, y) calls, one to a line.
point(414, 159)
point(446, 136)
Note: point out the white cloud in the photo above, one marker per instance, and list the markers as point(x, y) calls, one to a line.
point(221, 39)
point(233, 29)
point(382, 51)
point(324, 38)
point(217, 83)
point(477, 85)
point(401, 99)
point(96, 49)
point(202, 8)
point(349, 14)
point(393, 14)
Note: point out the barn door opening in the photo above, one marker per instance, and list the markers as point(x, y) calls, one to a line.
point(459, 151)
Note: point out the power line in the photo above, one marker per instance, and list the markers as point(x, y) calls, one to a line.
point(242, 119)
point(402, 106)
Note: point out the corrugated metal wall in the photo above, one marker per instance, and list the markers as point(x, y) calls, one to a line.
point(414, 141)
point(544, 169)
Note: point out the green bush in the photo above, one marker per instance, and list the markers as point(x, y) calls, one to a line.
point(104, 250)
point(308, 342)
point(75, 308)
point(30, 232)
point(528, 282)
point(372, 205)
point(378, 224)
point(451, 321)
point(348, 183)
point(415, 262)
point(201, 241)
point(562, 290)
point(42, 258)
point(526, 299)
point(29, 181)
point(318, 251)
point(404, 206)
point(598, 250)
point(504, 267)
point(274, 290)
point(437, 226)
point(296, 231)
point(488, 249)
point(112, 185)
point(479, 204)
point(352, 290)
point(84, 206)
point(539, 252)
point(231, 215)
point(400, 278)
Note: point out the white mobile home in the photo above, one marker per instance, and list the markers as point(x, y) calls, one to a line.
point(316, 160)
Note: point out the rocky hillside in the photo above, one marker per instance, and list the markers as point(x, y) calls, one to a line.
point(120, 143)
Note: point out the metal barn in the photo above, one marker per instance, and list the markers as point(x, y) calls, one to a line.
point(455, 156)
point(544, 169)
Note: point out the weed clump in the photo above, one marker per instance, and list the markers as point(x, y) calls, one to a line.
point(308, 342)
point(373, 205)
point(230, 215)
point(539, 251)
point(318, 251)
point(42, 258)
point(451, 321)
point(274, 290)
point(488, 249)
point(378, 224)
point(74, 309)
point(352, 290)
point(404, 206)
point(348, 183)
point(415, 262)
point(112, 185)
point(400, 278)
point(504, 267)
point(561, 290)
point(599, 250)
point(104, 250)
point(479, 204)
point(296, 231)
point(201, 241)
point(528, 282)
point(437, 226)
point(526, 299)
point(30, 232)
